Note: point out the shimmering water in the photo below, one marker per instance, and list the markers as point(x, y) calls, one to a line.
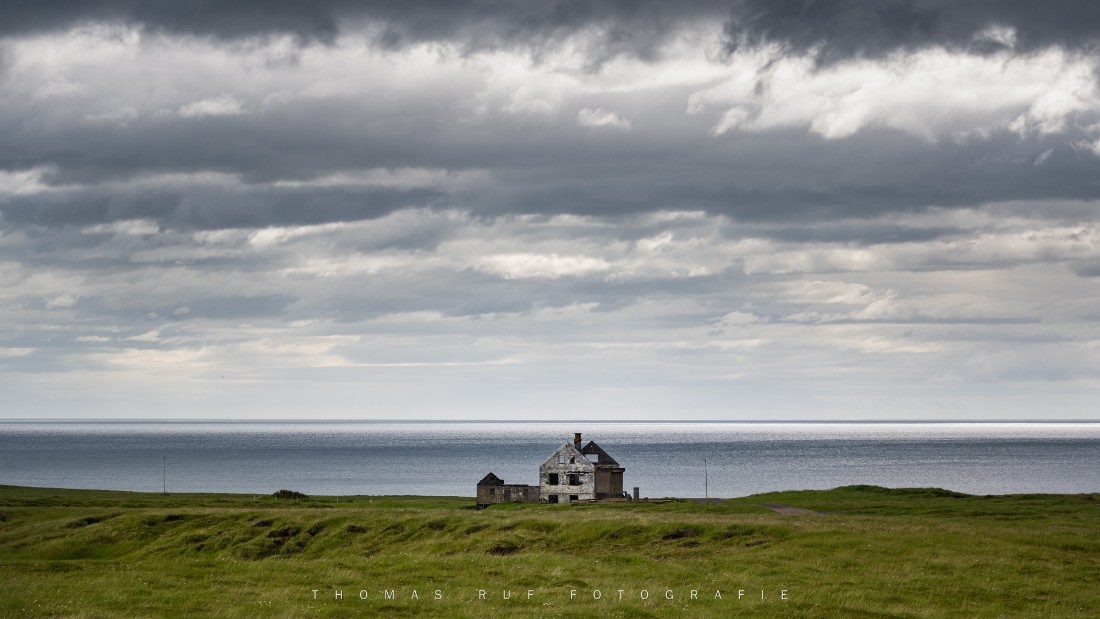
point(663, 459)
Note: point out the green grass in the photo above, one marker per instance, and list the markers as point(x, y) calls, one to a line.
point(868, 552)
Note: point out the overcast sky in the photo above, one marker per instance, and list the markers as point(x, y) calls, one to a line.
point(758, 209)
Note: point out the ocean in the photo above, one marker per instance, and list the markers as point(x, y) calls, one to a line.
point(448, 458)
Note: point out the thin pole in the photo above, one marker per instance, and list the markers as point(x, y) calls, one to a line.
point(164, 474)
point(706, 480)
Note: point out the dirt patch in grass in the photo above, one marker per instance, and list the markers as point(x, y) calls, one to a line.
point(504, 547)
point(86, 521)
point(681, 533)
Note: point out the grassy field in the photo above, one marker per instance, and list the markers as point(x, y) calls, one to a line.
point(860, 551)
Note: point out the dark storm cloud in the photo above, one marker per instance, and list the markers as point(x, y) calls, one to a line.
point(212, 208)
point(859, 233)
point(779, 176)
point(842, 27)
point(629, 26)
point(846, 28)
point(790, 176)
point(315, 19)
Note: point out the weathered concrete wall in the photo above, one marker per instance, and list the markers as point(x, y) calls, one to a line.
point(521, 493)
point(506, 493)
point(565, 462)
point(486, 495)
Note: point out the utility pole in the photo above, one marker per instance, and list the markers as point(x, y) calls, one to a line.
point(706, 480)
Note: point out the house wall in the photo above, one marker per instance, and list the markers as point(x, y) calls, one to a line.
point(521, 493)
point(566, 461)
point(487, 495)
point(507, 493)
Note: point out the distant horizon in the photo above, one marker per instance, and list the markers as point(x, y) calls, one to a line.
point(534, 421)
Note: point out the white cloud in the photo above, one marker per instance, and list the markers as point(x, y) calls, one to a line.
point(1003, 35)
point(826, 292)
point(733, 118)
point(221, 105)
point(148, 336)
point(21, 182)
point(125, 227)
point(932, 94)
point(1089, 145)
point(64, 301)
point(599, 117)
point(269, 237)
point(739, 319)
point(542, 266)
point(120, 116)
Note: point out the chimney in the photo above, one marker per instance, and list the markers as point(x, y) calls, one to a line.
point(577, 440)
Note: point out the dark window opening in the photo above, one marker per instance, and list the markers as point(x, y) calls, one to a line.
point(573, 497)
point(574, 479)
point(553, 480)
point(572, 459)
point(553, 498)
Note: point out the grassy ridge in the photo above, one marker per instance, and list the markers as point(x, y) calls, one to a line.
point(866, 551)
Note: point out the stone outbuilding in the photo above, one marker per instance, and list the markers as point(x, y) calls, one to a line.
point(492, 489)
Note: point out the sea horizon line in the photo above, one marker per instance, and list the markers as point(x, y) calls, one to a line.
point(539, 422)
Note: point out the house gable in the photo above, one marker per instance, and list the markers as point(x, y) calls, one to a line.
point(567, 475)
point(569, 457)
point(491, 480)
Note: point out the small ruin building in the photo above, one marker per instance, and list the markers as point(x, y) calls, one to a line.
point(492, 489)
point(571, 473)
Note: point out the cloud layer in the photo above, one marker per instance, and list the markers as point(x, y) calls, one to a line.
point(494, 210)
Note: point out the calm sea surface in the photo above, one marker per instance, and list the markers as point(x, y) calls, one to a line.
point(663, 459)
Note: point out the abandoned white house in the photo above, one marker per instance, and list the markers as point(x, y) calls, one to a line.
point(571, 473)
